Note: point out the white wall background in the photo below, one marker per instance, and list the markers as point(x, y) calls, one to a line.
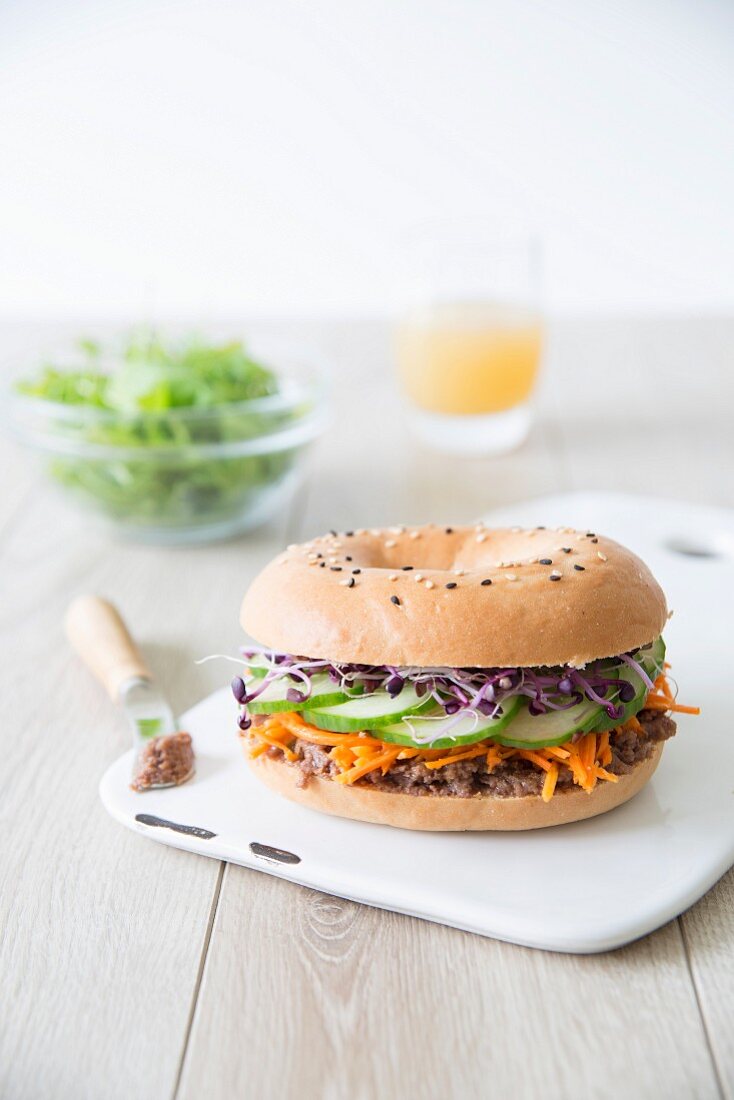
point(262, 157)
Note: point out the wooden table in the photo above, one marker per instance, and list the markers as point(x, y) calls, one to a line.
point(136, 971)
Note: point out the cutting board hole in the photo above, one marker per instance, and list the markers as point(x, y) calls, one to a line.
point(693, 548)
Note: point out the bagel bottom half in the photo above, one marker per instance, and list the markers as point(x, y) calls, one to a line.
point(449, 813)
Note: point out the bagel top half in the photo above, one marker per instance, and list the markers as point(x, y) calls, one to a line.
point(460, 596)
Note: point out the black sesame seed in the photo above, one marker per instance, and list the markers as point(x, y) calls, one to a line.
point(580, 568)
point(451, 584)
point(348, 557)
point(566, 549)
point(349, 534)
point(595, 540)
point(356, 570)
point(449, 530)
point(540, 528)
point(333, 533)
point(351, 583)
point(322, 564)
point(319, 555)
point(335, 568)
point(590, 534)
point(406, 568)
point(545, 561)
point(554, 577)
point(488, 581)
point(395, 600)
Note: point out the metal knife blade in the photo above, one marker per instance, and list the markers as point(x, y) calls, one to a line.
point(147, 710)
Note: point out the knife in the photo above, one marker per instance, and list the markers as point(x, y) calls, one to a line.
point(163, 754)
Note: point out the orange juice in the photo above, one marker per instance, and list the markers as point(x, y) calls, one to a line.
point(469, 359)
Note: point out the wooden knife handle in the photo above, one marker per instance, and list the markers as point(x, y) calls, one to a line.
point(98, 634)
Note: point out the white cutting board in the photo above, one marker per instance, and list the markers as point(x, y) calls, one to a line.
point(581, 888)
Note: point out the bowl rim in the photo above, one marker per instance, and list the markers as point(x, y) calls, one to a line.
point(293, 388)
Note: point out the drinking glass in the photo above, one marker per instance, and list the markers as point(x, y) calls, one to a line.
point(469, 337)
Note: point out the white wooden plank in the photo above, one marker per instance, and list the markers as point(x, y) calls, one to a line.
point(310, 995)
point(708, 931)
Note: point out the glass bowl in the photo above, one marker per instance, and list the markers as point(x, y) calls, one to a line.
point(180, 475)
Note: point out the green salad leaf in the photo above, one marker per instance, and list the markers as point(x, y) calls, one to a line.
point(159, 405)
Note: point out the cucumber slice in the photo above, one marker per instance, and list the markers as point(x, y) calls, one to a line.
point(653, 659)
point(370, 712)
point(465, 732)
point(324, 693)
point(257, 666)
point(538, 731)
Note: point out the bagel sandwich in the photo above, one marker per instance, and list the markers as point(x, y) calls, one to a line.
point(456, 678)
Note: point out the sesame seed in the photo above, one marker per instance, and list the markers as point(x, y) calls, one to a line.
point(333, 534)
point(390, 543)
point(418, 577)
point(481, 538)
point(361, 531)
point(293, 546)
point(313, 562)
point(580, 568)
point(395, 600)
point(554, 576)
point(393, 576)
point(511, 576)
point(335, 568)
point(337, 545)
point(451, 584)
point(590, 534)
point(322, 564)
point(566, 549)
point(414, 535)
point(349, 534)
point(356, 571)
point(601, 556)
point(349, 582)
point(406, 568)
point(540, 528)
point(595, 540)
point(430, 584)
point(348, 557)
point(545, 561)
point(486, 582)
point(449, 530)
point(319, 555)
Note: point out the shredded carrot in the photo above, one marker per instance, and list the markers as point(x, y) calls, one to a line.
point(276, 743)
point(658, 702)
point(467, 754)
point(604, 752)
point(661, 698)
point(549, 783)
point(536, 758)
point(375, 761)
